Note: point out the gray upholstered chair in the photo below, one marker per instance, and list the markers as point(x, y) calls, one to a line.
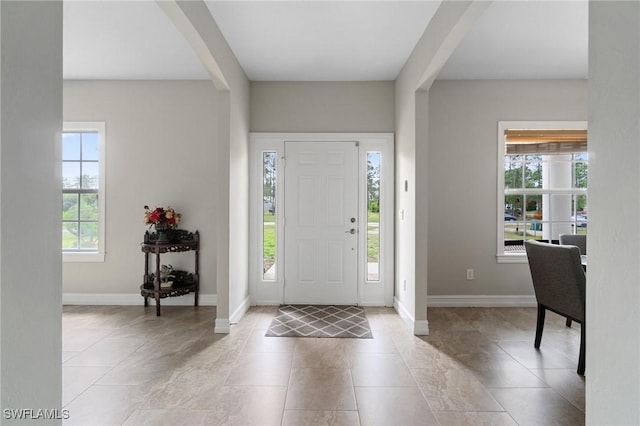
point(559, 283)
point(579, 241)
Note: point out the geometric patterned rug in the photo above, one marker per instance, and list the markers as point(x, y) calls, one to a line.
point(320, 321)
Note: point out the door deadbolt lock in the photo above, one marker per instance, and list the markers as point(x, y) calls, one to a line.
point(353, 219)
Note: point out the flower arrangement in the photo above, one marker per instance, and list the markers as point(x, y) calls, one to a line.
point(162, 218)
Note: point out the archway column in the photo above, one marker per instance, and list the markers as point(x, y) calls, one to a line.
point(30, 208)
point(445, 31)
point(613, 290)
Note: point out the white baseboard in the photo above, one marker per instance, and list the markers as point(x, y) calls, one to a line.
point(267, 303)
point(418, 328)
point(482, 301)
point(421, 328)
point(405, 315)
point(371, 304)
point(222, 326)
point(134, 299)
point(237, 315)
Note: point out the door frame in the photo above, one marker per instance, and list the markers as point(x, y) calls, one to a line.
point(271, 291)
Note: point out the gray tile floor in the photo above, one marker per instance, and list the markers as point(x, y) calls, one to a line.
point(124, 365)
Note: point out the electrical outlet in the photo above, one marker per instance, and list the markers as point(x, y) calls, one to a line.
point(469, 274)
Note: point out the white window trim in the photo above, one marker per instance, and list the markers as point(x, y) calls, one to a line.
point(265, 291)
point(370, 293)
point(501, 256)
point(100, 127)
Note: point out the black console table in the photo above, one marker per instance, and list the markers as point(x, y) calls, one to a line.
point(185, 283)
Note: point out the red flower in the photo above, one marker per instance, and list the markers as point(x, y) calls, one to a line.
point(161, 216)
point(155, 215)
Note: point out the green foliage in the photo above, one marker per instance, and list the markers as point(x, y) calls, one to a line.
point(269, 178)
point(526, 172)
point(268, 245)
point(534, 203)
point(82, 235)
point(269, 217)
point(69, 239)
point(80, 214)
point(518, 236)
point(85, 182)
point(581, 174)
point(269, 196)
point(373, 244)
point(523, 172)
point(373, 185)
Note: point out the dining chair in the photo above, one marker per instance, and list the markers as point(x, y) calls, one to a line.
point(579, 241)
point(559, 283)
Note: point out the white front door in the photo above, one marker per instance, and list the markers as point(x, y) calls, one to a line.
point(321, 223)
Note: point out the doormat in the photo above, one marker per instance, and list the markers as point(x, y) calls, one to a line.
point(320, 321)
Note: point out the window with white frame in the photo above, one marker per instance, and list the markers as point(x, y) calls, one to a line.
point(83, 210)
point(373, 215)
point(542, 180)
point(269, 231)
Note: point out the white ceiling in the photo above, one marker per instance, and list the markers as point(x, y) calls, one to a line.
point(312, 41)
point(324, 40)
point(524, 39)
point(124, 40)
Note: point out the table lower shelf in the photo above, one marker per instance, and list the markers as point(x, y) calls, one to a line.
point(148, 290)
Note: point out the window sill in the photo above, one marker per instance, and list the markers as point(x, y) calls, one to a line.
point(512, 258)
point(82, 257)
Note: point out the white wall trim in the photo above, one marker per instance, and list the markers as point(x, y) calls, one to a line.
point(370, 304)
point(82, 257)
point(378, 293)
point(263, 291)
point(501, 256)
point(421, 328)
point(133, 299)
point(237, 315)
point(222, 326)
point(267, 303)
point(101, 128)
point(512, 258)
point(418, 328)
point(403, 312)
point(514, 301)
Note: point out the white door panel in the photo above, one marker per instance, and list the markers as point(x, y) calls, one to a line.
point(321, 207)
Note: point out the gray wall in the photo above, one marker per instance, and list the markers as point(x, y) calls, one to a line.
point(462, 162)
point(322, 106)
point(162, 146)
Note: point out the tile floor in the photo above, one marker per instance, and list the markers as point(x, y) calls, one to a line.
point(124, 365)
